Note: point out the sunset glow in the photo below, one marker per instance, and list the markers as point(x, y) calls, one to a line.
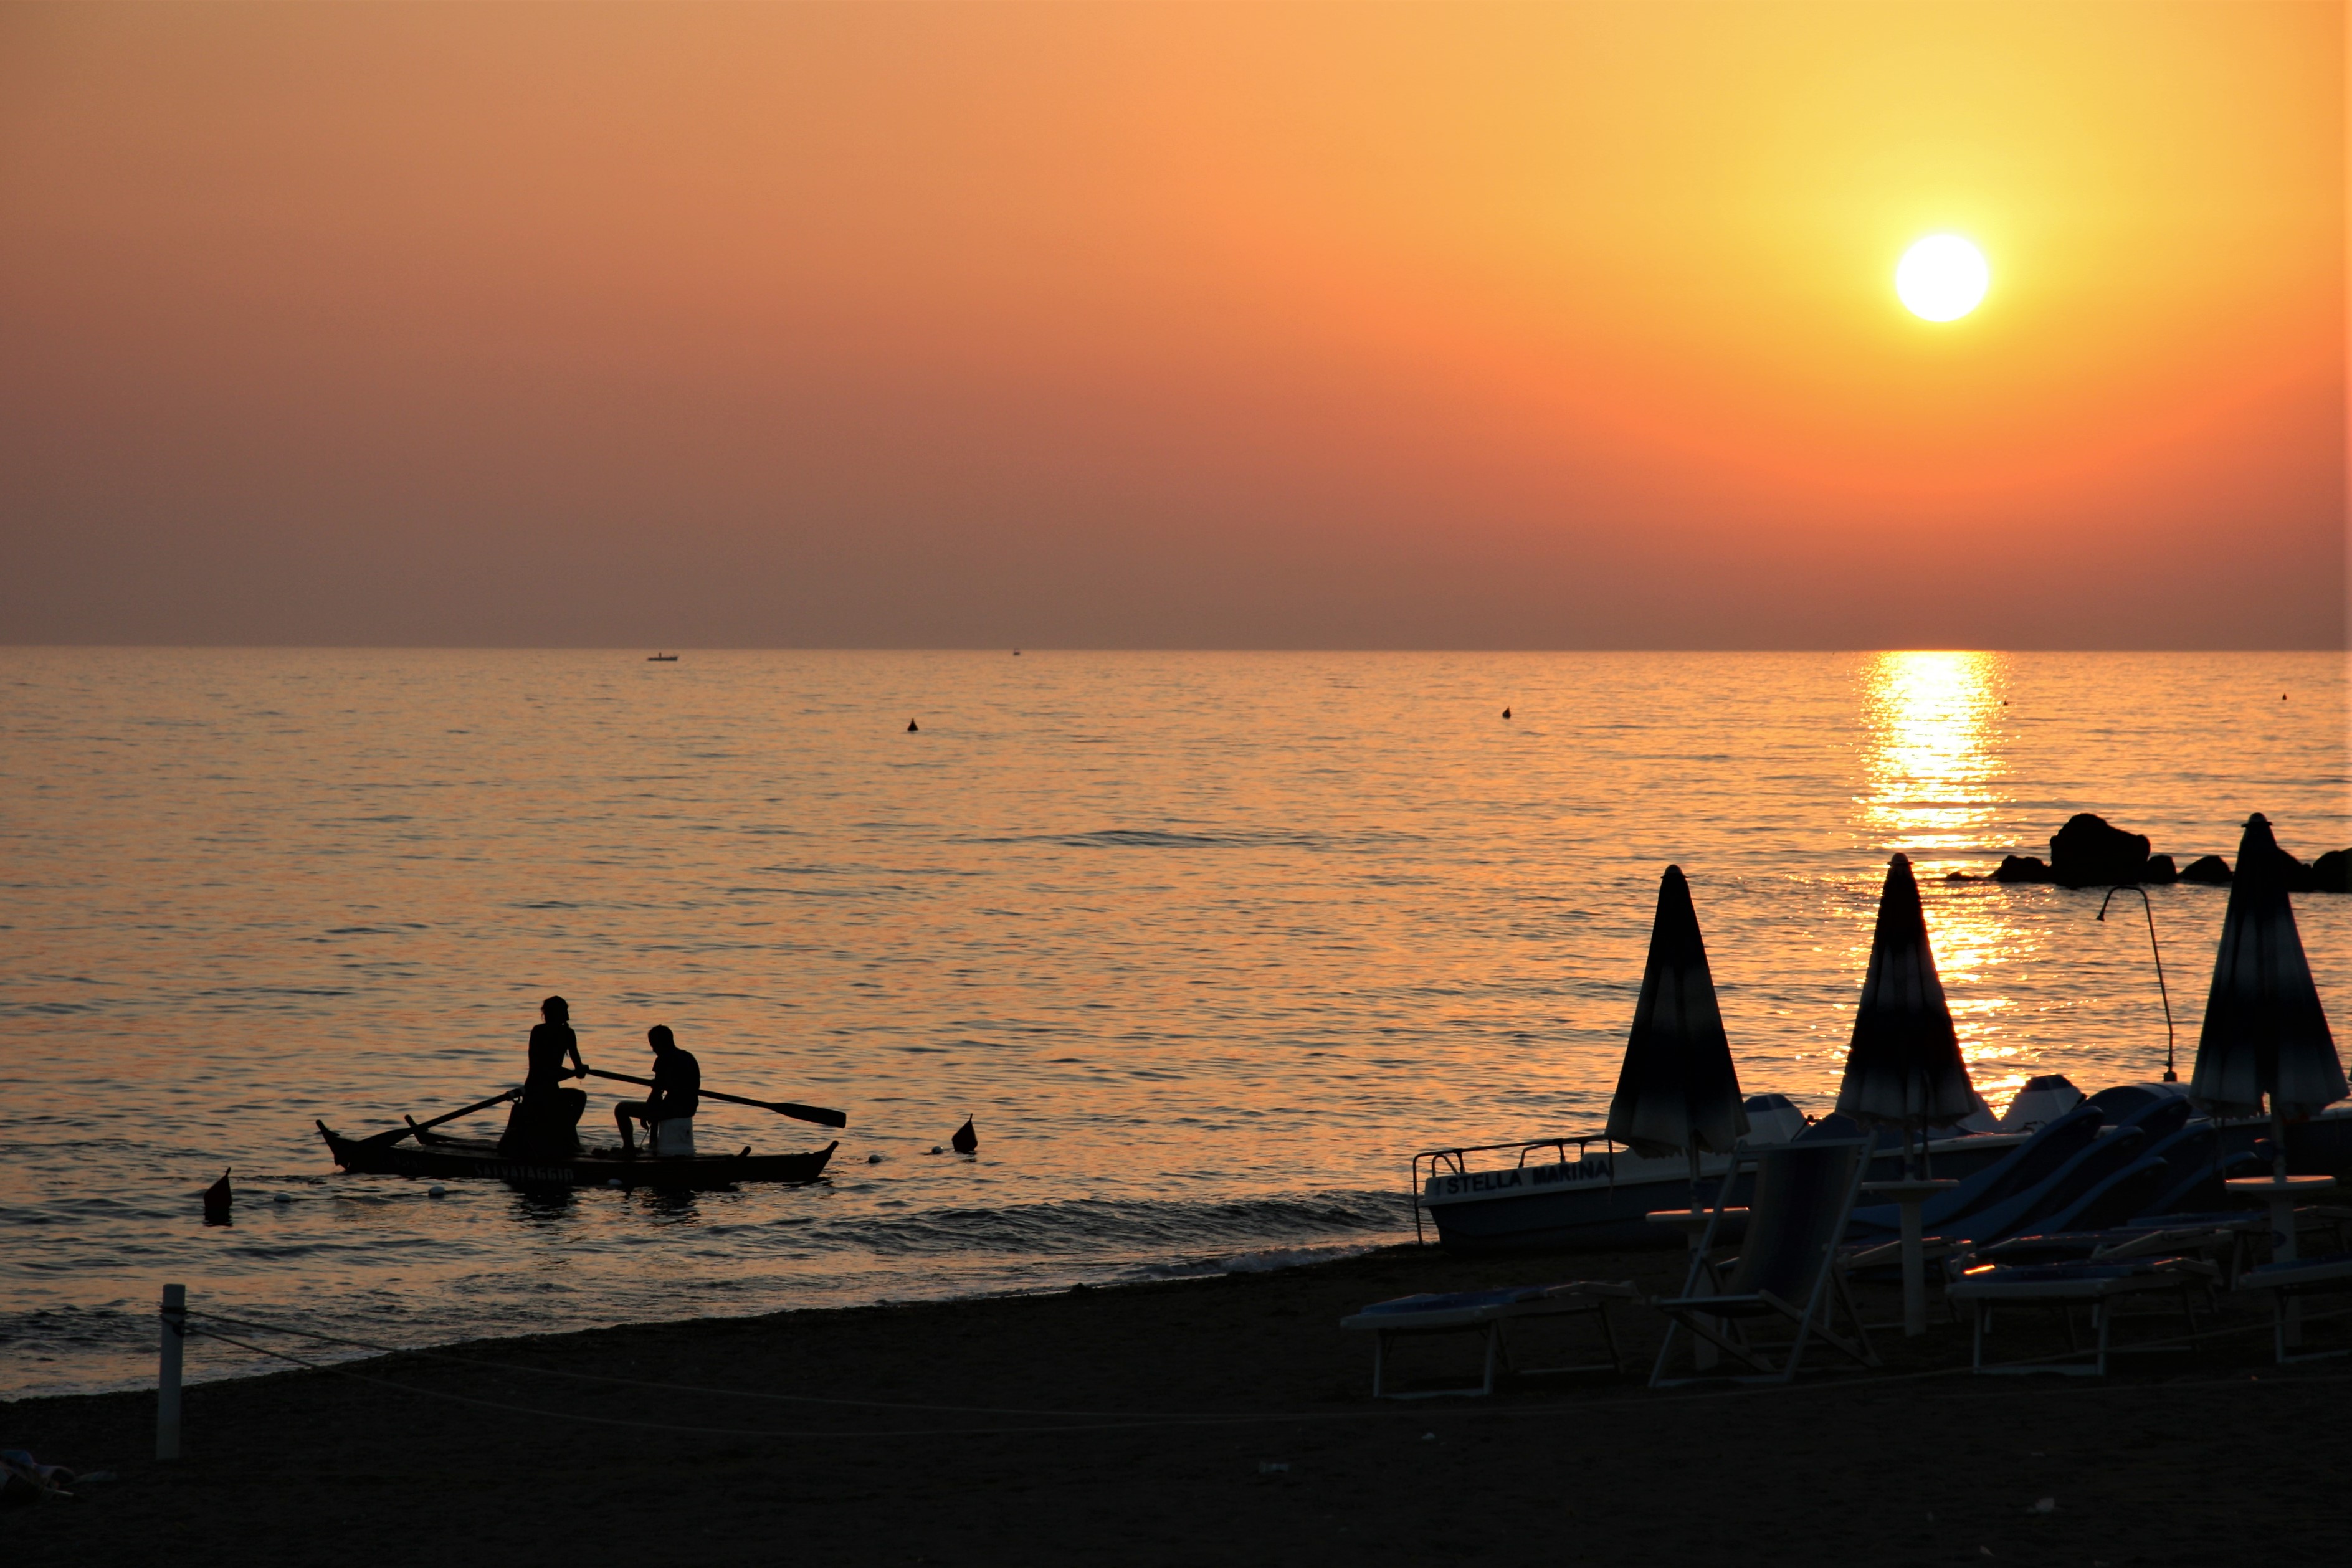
point(1520, 325)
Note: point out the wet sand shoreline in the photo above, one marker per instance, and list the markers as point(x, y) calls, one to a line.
point(1226, 1418)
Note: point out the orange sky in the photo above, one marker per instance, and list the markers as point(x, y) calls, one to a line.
point(1324, 325)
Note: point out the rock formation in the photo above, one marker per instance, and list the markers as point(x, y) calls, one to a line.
point(2088, 852)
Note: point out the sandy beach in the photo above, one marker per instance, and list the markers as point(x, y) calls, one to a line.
point(2208, 1454)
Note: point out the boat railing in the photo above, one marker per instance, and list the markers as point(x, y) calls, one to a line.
point(1452, 1160)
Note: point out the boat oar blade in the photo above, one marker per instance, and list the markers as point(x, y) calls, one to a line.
point(817, 1114)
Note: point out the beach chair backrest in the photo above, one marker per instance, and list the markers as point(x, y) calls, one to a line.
point(1804, 1193)
point(2158, 1119)
point(2050, 1146)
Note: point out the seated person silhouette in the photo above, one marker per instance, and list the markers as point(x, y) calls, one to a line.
point(678, 1090)
point(543, 1120)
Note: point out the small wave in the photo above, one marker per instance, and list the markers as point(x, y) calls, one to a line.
point(1260, 1262)
point(1084, 1225)
point(1169, 839)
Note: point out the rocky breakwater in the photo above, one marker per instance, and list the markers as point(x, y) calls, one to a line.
point(2091, 852)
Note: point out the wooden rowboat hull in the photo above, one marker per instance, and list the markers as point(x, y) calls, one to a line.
point(447, 1159)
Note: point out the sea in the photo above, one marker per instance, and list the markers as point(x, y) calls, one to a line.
point(1206, 944)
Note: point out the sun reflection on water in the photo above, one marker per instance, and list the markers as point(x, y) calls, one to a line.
point(1932, 774)
point(1931, 767)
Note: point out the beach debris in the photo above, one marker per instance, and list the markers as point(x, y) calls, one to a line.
point(25, 1480)
point(1273, 1468)
point(2045, 1505)
point(964, 1139)
point(217, 1200)
point(912, 728)
point(436, 1190)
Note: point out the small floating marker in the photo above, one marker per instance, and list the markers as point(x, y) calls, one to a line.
point(611, 1181)
point(436, 1190)
point(912, 728)
point(873, 1159)
point(1506, 713)
point(217, 1198)
point(965, 1140)
point(1016, 653)
point(282, 1197)
point(937, 1150)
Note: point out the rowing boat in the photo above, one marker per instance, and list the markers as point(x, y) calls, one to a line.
point(447, 1158)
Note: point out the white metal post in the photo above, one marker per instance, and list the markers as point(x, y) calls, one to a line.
point(167, 1374)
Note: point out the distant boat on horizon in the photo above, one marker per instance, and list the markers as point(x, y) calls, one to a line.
point(661, 658)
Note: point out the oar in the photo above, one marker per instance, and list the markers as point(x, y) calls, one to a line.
point(817, 1114)
point(399, 1133)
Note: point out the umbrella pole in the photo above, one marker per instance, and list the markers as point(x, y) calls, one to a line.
point(2278, 1141)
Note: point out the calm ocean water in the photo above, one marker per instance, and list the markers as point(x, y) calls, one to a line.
point(1207, 944)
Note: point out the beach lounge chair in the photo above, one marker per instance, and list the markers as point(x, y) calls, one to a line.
point(2034, 1208)
point(1786, 1270)
point(2065, 1286)
point(2023, 1168)
point(2287, 1282)
point(2216, 1237)
point(1485, 1312)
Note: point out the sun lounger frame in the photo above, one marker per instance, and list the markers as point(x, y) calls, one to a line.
point(1486, 1318)
point(1715, 1317)
point(2051, 1286)
point(2289, 1282)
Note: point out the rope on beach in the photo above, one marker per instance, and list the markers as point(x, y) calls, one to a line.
point(653, 1385)
point(1132, 1424)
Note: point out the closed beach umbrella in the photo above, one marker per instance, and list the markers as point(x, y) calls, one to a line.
point(1903, 1067)
point(2265, 1034)
point(1677, 1092)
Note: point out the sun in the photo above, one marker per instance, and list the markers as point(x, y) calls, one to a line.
point(1942, 277)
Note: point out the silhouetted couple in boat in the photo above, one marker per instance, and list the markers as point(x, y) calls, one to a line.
point(546, 1119)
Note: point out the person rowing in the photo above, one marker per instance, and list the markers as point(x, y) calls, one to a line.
point(678, 1090)
point(547, 1113)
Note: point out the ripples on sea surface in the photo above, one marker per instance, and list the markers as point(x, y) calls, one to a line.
point(1207, 944)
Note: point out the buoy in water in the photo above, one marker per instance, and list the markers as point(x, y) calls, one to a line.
point(436, 1190)
point(217, 1198)
point(1506, 713)
point(965, 1140)
point(873, 1159)
point(912, 728)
